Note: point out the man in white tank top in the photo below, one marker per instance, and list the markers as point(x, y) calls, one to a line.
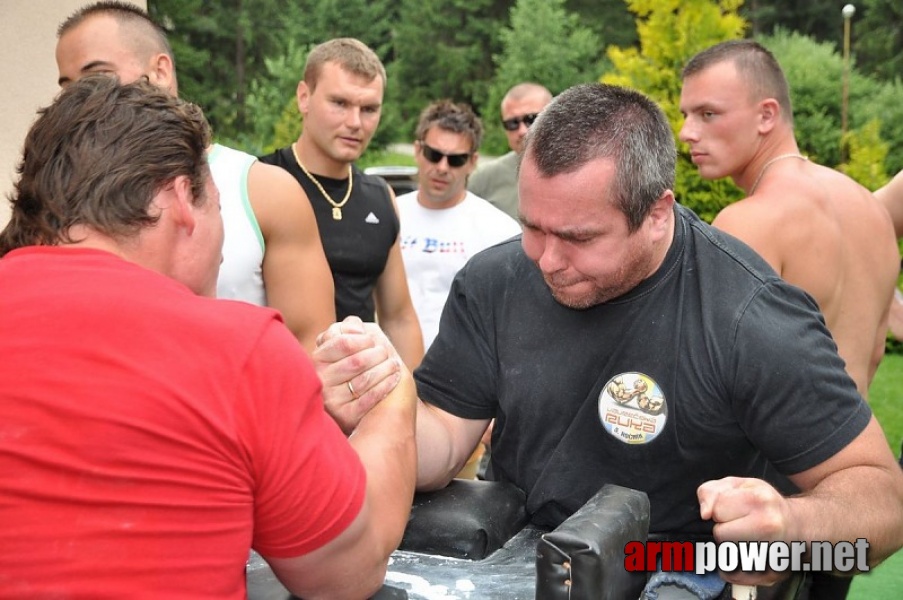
point(272, 253)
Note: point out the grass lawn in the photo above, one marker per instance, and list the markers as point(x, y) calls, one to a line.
point(886, 399)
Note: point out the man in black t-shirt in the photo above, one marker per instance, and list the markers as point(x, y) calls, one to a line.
point(622, 340)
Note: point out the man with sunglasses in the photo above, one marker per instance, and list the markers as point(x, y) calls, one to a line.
point(497, 180)
point(442, 224)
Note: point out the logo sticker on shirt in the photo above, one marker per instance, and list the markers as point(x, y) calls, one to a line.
point(632, 408)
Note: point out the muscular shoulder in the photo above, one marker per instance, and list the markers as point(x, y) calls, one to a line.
point(276, 197)
point(233, 327)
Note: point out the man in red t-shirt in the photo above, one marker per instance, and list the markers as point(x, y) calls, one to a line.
point(151, 435)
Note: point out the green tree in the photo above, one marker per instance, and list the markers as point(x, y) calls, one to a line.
point(609, 19)
point(271, 98)
point(443, 49)
point(670, 33)
point(217, 47)
point(819, 19)
point(878, 39)
point(814, 71)
point(544, 43)
point(867, 154)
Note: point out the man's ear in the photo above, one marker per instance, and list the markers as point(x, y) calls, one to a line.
point(179, 204)
point(769, 114)
point(302, 94)
point(162, 73)
point(661, 213)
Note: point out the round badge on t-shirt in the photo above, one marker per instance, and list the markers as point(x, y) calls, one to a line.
point(632, 408)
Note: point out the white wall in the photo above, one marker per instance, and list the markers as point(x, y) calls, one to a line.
point(28, 74)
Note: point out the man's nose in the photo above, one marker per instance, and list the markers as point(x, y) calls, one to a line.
point(552, 258)
point(353, 117)
point(687, 133)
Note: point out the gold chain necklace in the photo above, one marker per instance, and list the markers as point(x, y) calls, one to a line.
point(336, 206)
point(768, 164)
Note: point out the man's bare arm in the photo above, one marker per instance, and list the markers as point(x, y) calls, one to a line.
point(395, 310)
point(295, 272)
point(353, 565)
point(444, 443)
point(361, 353)
point(857, 493)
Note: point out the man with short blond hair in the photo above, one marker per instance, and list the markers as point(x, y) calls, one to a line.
point(340, 101)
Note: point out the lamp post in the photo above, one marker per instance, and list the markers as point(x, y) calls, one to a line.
point(848, 11)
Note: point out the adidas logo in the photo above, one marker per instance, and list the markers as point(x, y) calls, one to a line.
point(371, 218)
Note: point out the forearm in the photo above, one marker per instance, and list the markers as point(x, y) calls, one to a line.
point(405, 334)
point(441, 450)
point(386, 444)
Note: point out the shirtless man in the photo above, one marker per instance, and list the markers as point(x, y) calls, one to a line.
point(272, 254)
point(817, 228)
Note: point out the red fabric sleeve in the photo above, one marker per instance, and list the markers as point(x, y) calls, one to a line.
point(309, 481)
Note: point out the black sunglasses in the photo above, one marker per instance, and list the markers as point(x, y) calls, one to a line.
point(513, 123)
point(434, 156)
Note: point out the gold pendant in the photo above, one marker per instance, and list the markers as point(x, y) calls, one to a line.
point(336, 213)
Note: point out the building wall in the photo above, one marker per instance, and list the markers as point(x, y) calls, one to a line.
point(28, 74)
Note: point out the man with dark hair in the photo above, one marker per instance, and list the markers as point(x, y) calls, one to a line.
point(621, 340)
point(151, 435)
point(340, 101)
point(272, 254)
point(442, 224)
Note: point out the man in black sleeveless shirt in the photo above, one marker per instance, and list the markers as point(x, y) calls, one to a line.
point(340, 100)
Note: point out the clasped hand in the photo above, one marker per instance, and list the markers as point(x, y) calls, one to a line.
point(358, 367)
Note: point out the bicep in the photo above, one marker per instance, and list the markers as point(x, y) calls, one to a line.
point(868, 449)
